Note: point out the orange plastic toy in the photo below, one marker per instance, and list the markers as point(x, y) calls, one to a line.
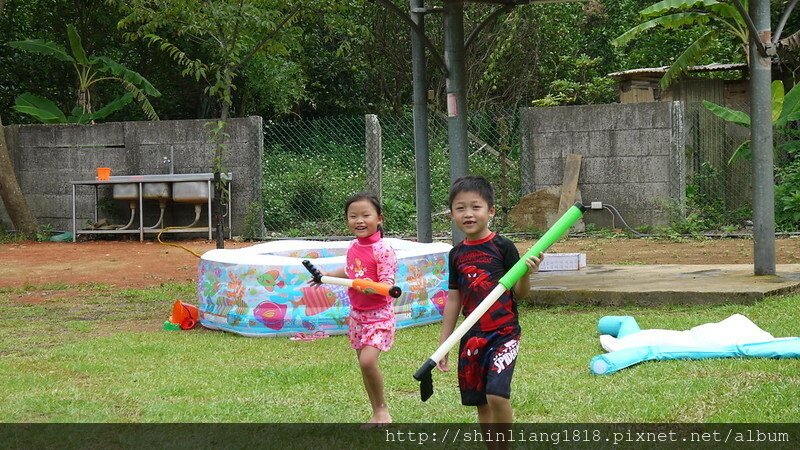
point(184, 315)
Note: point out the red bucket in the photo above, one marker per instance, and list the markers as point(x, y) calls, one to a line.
point(184, 315)
point(103, 173)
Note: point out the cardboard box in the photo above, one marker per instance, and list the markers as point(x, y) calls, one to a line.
point(562, 261)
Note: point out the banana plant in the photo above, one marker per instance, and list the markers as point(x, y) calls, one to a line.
point(713, 16)
point(785, 110)
point(90, 71)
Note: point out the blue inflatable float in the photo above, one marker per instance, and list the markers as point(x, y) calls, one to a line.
point(733, 337)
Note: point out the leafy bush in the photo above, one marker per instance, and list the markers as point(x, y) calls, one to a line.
point(705, 207)
point(787, 197)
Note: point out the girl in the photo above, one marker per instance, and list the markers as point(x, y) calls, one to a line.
point(372, 322)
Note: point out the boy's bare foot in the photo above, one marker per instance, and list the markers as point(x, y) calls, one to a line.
point(380, 418)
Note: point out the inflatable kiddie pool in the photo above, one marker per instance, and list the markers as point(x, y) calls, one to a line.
point(262, 290)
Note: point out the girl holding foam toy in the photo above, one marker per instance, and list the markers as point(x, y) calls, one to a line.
point(372, 321)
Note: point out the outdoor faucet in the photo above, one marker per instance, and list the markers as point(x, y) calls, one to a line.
point(170, 160)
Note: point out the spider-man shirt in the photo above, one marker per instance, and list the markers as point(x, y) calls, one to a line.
point(475, 269)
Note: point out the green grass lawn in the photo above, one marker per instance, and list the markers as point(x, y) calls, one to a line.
point(97, 354)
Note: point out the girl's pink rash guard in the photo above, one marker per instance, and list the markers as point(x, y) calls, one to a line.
point(373, 259)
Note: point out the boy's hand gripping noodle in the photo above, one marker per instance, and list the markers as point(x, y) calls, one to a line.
point(365, 286)
point(423, 374)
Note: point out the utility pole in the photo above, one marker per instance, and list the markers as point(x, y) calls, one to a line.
point(761, 141)
point(456, 94)
point(420, 107)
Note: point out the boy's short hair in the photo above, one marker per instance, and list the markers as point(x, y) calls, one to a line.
point(472, 183)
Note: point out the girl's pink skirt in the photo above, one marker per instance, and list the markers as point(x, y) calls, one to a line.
point(374, 327)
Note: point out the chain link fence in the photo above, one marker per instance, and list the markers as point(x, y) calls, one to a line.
point(312, 166)
point(719, 169)
point(719, 188)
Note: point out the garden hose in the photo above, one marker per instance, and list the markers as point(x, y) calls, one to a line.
point(158, 237)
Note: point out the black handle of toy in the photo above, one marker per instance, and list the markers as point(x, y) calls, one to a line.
point(425, 377)
point(315, 273)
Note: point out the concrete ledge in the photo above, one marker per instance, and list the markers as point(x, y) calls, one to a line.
point(661, 285)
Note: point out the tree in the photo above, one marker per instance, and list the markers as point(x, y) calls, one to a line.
point(90, 71)
point(233, 31)
point(716, 18)
point(15, 203)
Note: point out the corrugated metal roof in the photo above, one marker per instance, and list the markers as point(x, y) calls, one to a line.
point(663, 69)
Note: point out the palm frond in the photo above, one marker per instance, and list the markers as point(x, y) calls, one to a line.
point(742, 151)
point(43, 47)
point(79, 116)
point(108, 65)
point(727, 114)
point(689, 56)
point(75, 44)
point(672, 22)
point(726, 11)
point(791, 107)
point(113, 106)
point(142, 100)
point(792, 117)
point(40, 108)
point(666, 6)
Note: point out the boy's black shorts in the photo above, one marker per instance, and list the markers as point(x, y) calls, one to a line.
point(486, 364)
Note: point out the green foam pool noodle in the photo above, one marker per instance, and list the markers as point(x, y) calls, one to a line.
point(549, 238)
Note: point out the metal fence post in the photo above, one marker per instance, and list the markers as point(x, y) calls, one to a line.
point(677, 157)
point(373, 154)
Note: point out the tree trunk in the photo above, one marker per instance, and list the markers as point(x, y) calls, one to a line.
point(14, 201)
point(218, 182)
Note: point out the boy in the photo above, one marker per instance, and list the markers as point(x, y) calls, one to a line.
point(488, 351)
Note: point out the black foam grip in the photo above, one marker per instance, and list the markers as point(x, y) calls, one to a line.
point(425, 378)
point(425, 370)
point(315, 273)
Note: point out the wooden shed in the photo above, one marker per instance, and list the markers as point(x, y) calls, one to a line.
point(642, 85)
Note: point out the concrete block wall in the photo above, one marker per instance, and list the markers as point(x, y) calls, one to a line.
point(632, 156)
point(47, 158)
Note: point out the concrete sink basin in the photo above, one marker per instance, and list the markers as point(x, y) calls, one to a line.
point(127, 191)
point(182, 188)
point(156, 191)
point(190, 192)
point(150, 191)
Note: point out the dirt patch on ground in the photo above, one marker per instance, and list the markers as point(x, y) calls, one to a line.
point(41, 296)
point(135, 264)
point(117, 263)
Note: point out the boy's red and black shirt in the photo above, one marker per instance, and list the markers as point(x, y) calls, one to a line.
point(475, 269)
